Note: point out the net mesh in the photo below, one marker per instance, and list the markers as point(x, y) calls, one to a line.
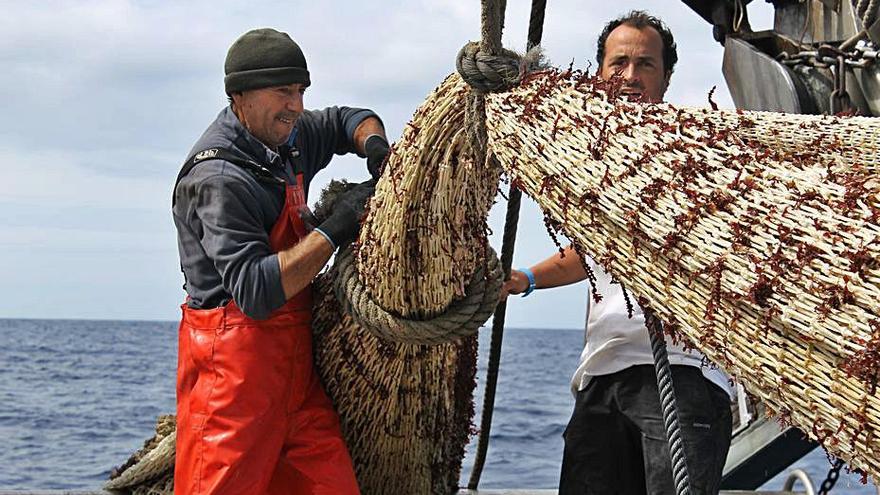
point(752, 235)
point(406, 409)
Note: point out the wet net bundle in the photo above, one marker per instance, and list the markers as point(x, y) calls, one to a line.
point(403, 387)
point(754, 235)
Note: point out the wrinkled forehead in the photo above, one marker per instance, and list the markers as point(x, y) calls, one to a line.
point(634, 43)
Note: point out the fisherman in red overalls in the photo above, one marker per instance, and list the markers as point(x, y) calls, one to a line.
point(252, 416)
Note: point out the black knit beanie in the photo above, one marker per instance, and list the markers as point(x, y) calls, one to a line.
point(263, 58)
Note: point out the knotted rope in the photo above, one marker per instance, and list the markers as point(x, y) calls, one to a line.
point(486, 72)
point(486, 67)
point(469, 73)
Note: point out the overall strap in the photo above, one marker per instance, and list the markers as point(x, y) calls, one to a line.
point(292, 152)
point(259, 171)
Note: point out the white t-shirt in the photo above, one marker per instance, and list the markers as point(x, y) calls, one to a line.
point(614, 342)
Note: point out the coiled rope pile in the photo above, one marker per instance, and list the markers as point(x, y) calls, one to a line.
point(149, 471)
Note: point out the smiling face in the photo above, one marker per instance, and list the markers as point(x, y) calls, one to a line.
point(270, 113)
point(637, 55)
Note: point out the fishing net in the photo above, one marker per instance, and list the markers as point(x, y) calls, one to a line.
point(150, 470)
point(754, 236)
point(405, 406)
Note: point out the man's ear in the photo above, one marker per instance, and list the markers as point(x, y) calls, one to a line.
point(666, 80)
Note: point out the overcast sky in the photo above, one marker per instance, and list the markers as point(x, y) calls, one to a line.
point(103, 99)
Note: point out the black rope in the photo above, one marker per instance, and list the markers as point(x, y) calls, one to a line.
point(667, 403)
point(536, 23)
point(536, 29)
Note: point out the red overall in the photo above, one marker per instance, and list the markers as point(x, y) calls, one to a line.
point(252, 416)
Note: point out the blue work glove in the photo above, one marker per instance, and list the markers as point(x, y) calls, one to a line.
point(376, 148)
point(342, 225)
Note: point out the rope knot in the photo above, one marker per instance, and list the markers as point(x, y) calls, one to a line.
point(486, 73)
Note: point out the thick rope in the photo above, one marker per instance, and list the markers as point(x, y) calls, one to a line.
point(486, 72)
point(491, 26)
point(156, 463)
point(536, 23)
point(866, 11)
point(464, 317)
point(536, 29)
point(667, 403)
point(510, 226)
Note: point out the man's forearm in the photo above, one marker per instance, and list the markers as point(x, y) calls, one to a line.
point(368, 127)
point(301, 263)
point(554, 271)
point(557, 270)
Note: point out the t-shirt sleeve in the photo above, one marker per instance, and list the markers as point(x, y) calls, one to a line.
point(234, 237)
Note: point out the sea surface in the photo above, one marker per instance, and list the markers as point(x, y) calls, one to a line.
point(78, 397)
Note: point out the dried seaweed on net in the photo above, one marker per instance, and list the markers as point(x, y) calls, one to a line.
point(755, 235)
point(165, 425)
point(328, 197)
point(405, 410)
point(434, 201)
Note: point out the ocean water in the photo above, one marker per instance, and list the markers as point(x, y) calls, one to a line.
point(78, 397)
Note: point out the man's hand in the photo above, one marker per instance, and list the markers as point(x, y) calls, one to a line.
point(517, 284)
point(376, 148)
point(344, 222)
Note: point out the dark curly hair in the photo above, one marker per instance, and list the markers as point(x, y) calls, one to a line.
point(640, 19)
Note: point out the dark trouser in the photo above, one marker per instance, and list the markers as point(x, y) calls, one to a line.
point(615, 442)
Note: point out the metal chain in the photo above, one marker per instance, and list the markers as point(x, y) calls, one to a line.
point(831, 479)
point(827, 56)
point(839, 97)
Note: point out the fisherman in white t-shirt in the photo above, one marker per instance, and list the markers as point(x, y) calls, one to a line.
point(615, 442)
point(613, 341)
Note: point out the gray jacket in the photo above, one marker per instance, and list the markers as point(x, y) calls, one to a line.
point(224, 213)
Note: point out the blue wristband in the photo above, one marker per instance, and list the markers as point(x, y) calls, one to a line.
point(531, 277)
